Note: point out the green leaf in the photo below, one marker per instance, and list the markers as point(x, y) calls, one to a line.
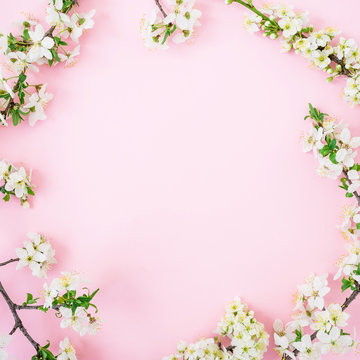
point(332, 144)
point(332, 158)
point(345, 284)
point(324, 151)
point(349, 195)
point(30, 191)
point(6, 197)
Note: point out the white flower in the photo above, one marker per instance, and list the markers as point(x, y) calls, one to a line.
point(149, 35)
point(86, 21)
point(4, 170)
point(41, 44)
point(70, 57)
point(314, 289)
point(19, 61)
point(5, 84)
point(307, 350)
point(36, 103)
point(37, 254)
point(334, 341)
point(283, 11)
point(58, 4)
point(72, 28)
point(289, 27)
point(49, 293)
point(184, 16)
point(283, 336)
point(78, 320)
point(18, 182)
point(337, 317)
point(67, 351)
point(346, 157)
point(327, 168)
point(321, 58)
point(251, 22)
point(67, 282)
point(285, 46)
point(321, 321)
point(313, 139)
point(347, 141)
point(181, 347)
point(93, 325)
point(353, 175)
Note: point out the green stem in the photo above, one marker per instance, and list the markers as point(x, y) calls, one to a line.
point(257, 12)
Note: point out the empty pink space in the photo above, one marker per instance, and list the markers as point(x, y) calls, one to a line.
point(175, 180)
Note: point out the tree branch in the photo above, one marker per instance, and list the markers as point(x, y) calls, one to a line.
point(160, 8)
point(9, 261)
point(332, 57)
point(344, 306)
point(18, 323)
point(11, 102)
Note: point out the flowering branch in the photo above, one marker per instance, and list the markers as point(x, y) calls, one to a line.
point(344, 306)
point(342, 58)
point(16, 183)
point(178, 24)
point(248, 338)
point(61, 296)
point(35, 46)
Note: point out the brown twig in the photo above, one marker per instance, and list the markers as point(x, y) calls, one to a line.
point(9, 262)
point(18, 323)
point(160, 8)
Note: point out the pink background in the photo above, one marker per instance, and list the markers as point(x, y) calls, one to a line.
point(175, 180)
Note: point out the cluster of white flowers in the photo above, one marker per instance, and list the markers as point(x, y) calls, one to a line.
point(349, 265)
point(36, 46)
point(248, 338)
point(339, 58)
point(66, 351)
point(325, 324)
point(179, 24)
point(73, 305)
point(79, 319)
point(335, 149)
point(37, 253)
point(15, 182)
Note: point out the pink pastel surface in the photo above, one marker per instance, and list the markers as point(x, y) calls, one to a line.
point(175, 180)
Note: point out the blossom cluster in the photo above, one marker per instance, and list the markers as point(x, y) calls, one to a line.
point(248, 338)
point(316, 329)
point(34, 46)
point(66, 350)
point(37, 253)
point(349, 265)
point(178, 24)
point(340, 56)
point(73, 310)
point(15, 182)
point(73, 305)
point(334, 148)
